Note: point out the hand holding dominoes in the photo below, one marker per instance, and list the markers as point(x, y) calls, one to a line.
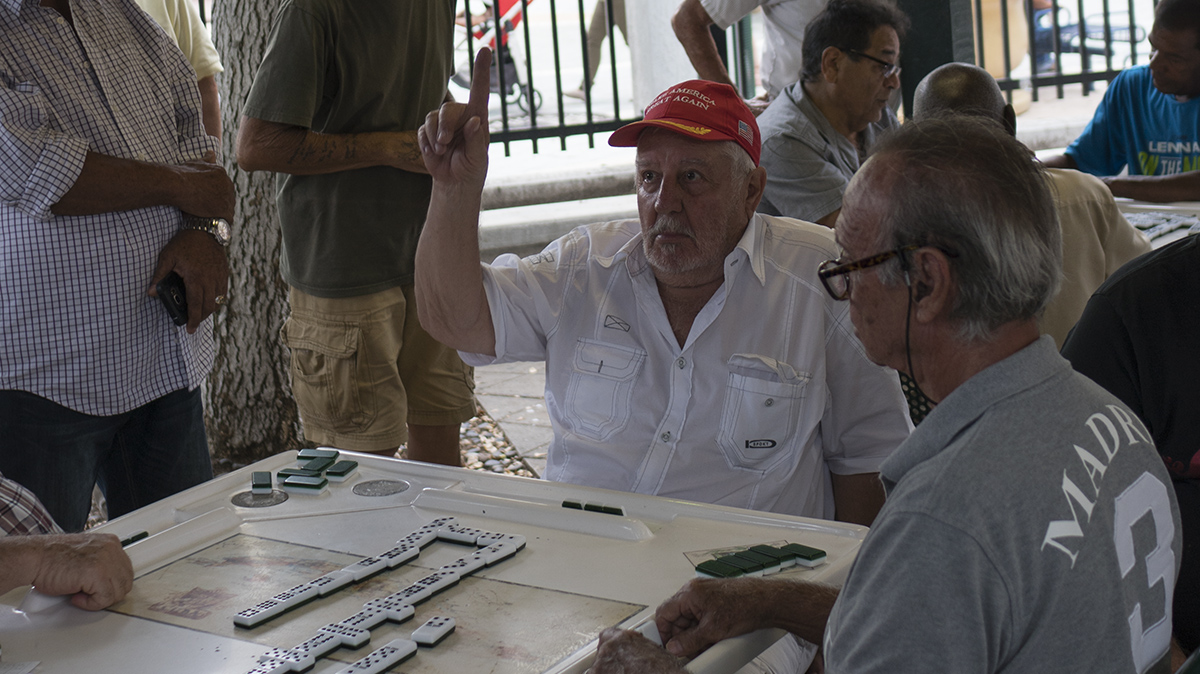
point(706, 610)
point(630, 651)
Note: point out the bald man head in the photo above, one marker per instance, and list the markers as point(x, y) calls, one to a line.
point(963, 89)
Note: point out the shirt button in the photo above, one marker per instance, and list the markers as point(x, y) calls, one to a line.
point(681, 362)
point(666, 436)
point(769, 402)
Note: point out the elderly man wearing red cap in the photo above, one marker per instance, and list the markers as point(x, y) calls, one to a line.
point(692, 354)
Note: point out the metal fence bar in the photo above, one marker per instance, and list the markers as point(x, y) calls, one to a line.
point(558, 88)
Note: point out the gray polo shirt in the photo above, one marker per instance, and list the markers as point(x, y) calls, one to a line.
point(808, 163)
point(1030, 526)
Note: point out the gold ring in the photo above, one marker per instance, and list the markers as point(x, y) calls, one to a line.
point(220, 299)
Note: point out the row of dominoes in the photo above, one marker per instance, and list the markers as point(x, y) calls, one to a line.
point(330, 637)
point(761, 560)
point(493, 548)
point(594, 507)
point(354, 631)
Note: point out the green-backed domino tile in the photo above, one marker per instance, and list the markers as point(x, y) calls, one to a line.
point(785, 557)
point(612, 510)
point(717, 569)
point(593, 507)
point(745, 565)
point(285, 473)
point(769, 563)
point(341, 470)
point(260, 482)
point(573, 505)
point(319, 464)
point(806, 556)
point(310, 454)
point(299, 484)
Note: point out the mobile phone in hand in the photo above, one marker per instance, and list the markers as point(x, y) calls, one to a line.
point(174, 297)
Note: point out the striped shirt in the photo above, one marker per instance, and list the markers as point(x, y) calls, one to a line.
point(21, 513)
point(76, 325)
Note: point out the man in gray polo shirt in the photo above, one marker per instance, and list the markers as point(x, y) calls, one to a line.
point(818, 131)
point(334, 110)
point(1029, 523)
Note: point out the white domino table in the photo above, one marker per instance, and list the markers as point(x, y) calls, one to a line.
point(209, 554)
point(1184, 214)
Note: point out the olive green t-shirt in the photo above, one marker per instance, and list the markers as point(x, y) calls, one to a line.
point(353, 66)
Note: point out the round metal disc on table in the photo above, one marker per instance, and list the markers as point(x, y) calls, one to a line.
point(380, 487)
point(246, 499)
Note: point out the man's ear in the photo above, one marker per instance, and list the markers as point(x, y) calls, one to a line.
point(1010, 120)
point(831, 62)
point(931, 283)
point(756, 184)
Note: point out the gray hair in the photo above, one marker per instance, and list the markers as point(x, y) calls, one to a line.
point(964, 186)
point(740, 163)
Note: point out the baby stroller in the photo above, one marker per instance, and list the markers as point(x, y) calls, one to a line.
point(507, 78)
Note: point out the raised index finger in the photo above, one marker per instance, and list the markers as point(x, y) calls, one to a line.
point(477, 104)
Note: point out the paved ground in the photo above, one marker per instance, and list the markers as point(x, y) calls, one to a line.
point(513, 394)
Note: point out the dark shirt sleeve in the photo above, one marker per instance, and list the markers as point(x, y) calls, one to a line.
point(1100, 348)
point(290, 84)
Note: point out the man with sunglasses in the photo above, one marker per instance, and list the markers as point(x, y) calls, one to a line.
point(819, 130)
point(1149, 121)
point(1029, 523)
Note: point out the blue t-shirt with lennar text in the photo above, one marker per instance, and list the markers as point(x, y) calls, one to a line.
point(1140, 127)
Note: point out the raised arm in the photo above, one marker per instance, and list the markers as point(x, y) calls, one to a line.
point(451, 301)
point(690, 23)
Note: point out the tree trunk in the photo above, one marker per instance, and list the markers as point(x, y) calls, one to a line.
point(249, 410)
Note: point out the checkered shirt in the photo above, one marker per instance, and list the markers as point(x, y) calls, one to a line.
point(76, 325)
point(21, 513)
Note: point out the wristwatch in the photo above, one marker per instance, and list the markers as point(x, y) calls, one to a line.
point(218, 227)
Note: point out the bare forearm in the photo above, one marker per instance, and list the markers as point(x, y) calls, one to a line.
point(1063, 161)
point(268, 146)
point(799, 607)
point(690, 23)
point(451, 301)
point(210, 105)
point(108, 184)
point(857, 498)
point(19, 561)
point(1159, 189)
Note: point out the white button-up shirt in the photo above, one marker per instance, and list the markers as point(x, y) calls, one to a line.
point(771, 392)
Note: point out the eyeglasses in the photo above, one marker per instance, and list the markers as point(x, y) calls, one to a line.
point(835, 274)
point(889, 69)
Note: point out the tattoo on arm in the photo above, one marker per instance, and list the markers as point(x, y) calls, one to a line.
point(317, 149)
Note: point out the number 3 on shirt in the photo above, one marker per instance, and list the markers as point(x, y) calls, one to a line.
point(1147, 495)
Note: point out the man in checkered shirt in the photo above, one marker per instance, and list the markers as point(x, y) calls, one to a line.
point(107, 183)
point(34, 551)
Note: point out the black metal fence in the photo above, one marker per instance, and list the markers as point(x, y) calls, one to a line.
point(1065, 41)
point(539, 105)
point(1027, 44)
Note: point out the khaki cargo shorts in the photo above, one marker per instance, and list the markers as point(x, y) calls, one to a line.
point(363, 369)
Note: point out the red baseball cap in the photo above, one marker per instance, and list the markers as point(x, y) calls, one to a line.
point(701, 110)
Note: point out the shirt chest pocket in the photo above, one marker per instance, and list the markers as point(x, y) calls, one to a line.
point(140, 97)
point(762, 406)
point(600, 390)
